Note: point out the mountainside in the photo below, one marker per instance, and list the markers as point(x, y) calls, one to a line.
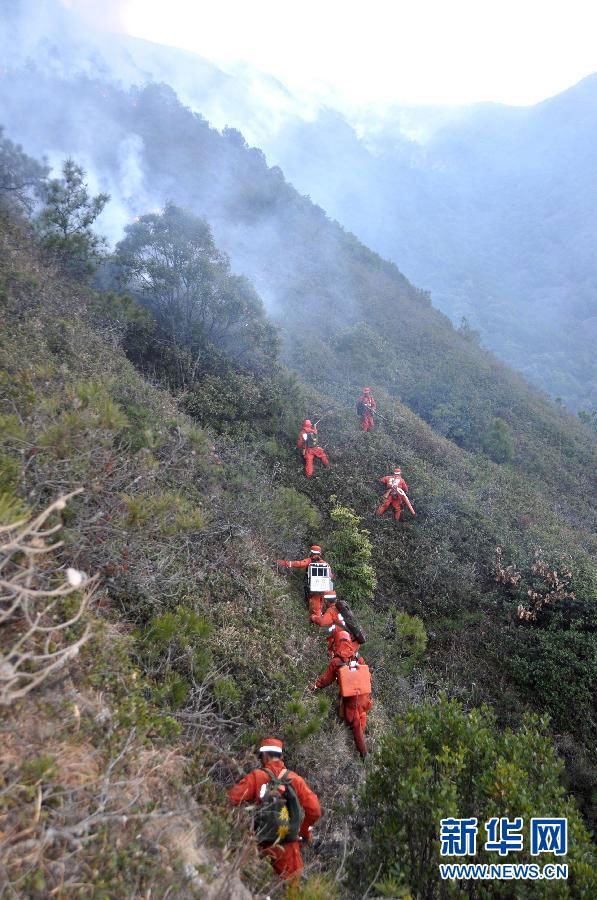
point(145, 148)
point(150, 398)
point(190, 487)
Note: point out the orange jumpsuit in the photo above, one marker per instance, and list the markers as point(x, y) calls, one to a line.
point(391, 496)
point(352, 709)
point(331, 617)
point(285, 858)
point(309, 453)
point(370, 407)
point(315, 600)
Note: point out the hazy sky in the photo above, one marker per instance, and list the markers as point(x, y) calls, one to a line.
point(353, 54)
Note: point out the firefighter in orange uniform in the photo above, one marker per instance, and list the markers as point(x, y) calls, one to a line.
point(286, 857)
point(313, 598)
point(352, 709)
point(395, 493)
point(366, 407)
point(331, 620)
point(307, 442)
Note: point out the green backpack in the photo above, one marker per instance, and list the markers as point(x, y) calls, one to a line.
point(279, 816)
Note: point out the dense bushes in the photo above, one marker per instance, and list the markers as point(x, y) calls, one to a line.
point(439, 761)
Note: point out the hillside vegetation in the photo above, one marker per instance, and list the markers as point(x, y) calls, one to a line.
point(167, 403)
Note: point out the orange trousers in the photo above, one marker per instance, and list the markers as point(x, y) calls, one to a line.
point(367, 422)
point(286, 859)
point(354, 712)
point(315, 601)
point(396, 502)
point(310, 454)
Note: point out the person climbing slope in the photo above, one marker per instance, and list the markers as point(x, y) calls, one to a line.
point(394, 494)
point(366, 407)
point(307, 442)
point(338, 614)
point(354, 681)
point(287, 808)
point(318, 577)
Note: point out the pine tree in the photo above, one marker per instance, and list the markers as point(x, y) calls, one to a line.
point(65, 223)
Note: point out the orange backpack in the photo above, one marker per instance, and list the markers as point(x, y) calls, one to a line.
point(354, 680)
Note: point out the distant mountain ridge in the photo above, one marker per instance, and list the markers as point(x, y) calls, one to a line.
point(495, 213)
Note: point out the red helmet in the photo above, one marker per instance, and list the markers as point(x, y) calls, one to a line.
point(316, 550)
point(366, 390)
point(397, 470)
point(271, 745)
point(340, 635)
point(343, 644)
point(307, 423)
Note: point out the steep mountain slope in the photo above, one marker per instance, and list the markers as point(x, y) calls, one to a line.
point(192, 628)
point(113, 772)
point(144, 147)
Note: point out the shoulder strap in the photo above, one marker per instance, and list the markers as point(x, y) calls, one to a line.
point(275, 777)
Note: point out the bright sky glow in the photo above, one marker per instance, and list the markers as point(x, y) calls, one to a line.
point(355, 55)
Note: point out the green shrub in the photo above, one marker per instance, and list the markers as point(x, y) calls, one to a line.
point(301, 719)
point(497, 441)
point(170, 512)
point(316, 887)
point(350, 550)
point(411, 638)
point(11, 508)
point(291, 513)
point(10, 472)
point(555, 671)
point(11, 428)
point(104, 412)
point(226, 692)
point(173, 691)
point(440, 761)
point(183, 625)
point(222, 400)
point(389, 887)
point(175, 643)
point(61, 438)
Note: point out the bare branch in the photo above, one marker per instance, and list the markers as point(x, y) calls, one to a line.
point(35, 641)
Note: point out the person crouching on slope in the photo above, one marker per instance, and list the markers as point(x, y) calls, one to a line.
point(353, 709)
point(279, 803)
point(307, 442)
point(332, 619)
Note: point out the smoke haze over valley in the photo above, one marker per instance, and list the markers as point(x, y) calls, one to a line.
point(493, 209)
